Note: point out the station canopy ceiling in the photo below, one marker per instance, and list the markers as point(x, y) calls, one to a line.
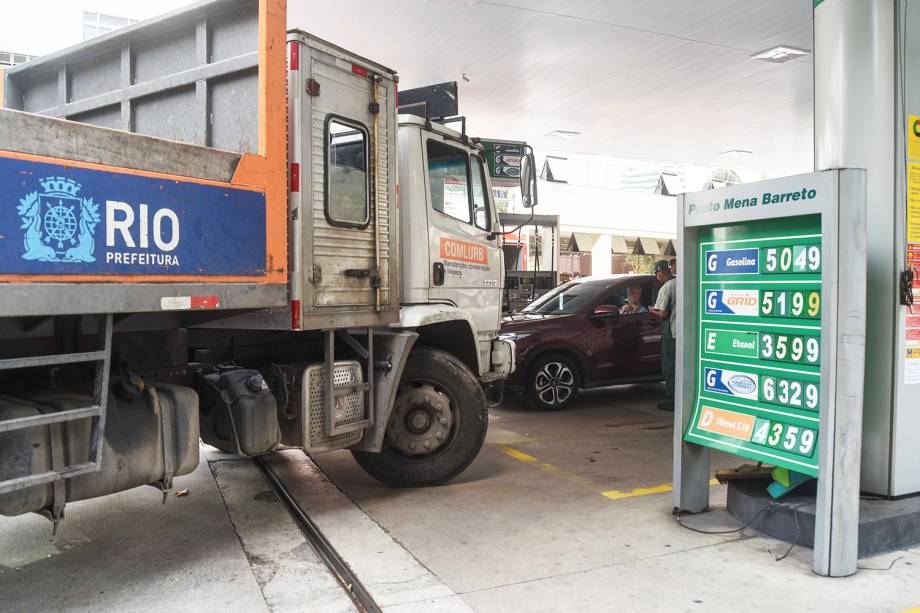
point(669, 80)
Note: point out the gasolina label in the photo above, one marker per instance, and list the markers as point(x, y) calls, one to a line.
point(733, 262)
point(732, 302)
point(731, 383)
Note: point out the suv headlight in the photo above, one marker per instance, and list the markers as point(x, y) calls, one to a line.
point(513, 336)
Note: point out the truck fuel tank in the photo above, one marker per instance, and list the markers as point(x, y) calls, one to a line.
point(149, 437)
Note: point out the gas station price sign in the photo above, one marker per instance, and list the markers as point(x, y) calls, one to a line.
point(758, 356)
point(771, 332)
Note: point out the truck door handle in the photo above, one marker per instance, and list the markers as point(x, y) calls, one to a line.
point(437, 276)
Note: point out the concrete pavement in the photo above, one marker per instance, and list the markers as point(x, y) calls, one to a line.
point(564, 511)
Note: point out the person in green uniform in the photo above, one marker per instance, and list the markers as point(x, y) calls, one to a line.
point(666, 309)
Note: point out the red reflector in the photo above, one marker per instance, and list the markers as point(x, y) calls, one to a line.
point(361, 72)
point(205, 302)
point(295, 56)
point(396, 95)
point(397, 195)
point(295, 314)
point(295, 177)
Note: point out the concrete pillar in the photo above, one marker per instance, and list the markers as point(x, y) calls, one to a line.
point(601, 258)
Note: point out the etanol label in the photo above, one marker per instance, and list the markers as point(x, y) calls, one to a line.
point(730, 342)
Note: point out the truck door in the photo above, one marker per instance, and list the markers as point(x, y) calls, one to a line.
point(465, 257)
point(349, 156)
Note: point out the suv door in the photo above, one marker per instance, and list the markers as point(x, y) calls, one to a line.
point(466, 264)
point(624, 346)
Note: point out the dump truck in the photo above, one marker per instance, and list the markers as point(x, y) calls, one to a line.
point(217, 229)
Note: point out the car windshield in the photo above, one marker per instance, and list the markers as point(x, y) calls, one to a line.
point(564, 300)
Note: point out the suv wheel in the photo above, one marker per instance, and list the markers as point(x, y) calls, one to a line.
point(552, 382)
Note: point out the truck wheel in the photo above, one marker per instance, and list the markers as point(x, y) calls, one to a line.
point(437, 426)
point(552, 382)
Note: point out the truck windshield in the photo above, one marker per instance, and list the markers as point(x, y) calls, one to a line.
point(564, 300)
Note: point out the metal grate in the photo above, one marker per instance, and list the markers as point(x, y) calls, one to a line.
point(349, 407)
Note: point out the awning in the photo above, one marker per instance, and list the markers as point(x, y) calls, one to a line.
point(670, 249)
point(670, 184)
point(618, 245)
point(646, 246)
point(582, 241)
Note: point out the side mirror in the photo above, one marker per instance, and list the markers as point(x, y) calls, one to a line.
point(529, 180)
point(605, 310)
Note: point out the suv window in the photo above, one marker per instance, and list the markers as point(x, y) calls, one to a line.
point(449, 177)
point(347, 185)
point(620, 295)
point(565, 299)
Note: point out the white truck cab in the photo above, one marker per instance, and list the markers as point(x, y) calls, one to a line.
point(453, 263)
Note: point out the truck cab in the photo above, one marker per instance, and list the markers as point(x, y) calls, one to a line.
point(453, 270)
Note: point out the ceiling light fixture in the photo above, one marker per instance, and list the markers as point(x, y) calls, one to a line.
point(735, 152)
point(779, 54)
point(562, 134)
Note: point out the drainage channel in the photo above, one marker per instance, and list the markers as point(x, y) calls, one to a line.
point(324, 549)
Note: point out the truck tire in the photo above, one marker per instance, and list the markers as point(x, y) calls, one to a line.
point(437, 426)
point(552, 382)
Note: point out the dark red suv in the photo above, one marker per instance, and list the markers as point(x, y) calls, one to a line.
point(576, 336)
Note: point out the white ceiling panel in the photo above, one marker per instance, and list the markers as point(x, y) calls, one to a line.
point(658, 79)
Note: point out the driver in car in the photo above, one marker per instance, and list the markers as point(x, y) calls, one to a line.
point(633, 306)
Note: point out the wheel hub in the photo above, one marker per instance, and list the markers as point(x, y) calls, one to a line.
point(421, 421)
point(554, 383)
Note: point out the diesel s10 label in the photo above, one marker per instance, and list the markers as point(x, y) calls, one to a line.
point(70, 220)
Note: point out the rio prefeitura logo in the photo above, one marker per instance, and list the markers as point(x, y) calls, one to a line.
point(58, 223)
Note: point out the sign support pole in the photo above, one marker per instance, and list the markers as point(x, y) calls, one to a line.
point(843, 345)
point(691, 461)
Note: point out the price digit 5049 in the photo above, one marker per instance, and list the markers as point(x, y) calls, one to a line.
point(792, 259)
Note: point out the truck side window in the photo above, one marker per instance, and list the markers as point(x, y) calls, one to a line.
point(449, 177)
point(480, 201)
point(347, 187)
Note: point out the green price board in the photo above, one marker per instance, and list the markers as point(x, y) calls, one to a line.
point(504, 160)
point(758, 359)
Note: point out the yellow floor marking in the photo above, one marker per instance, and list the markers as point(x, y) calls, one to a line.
point(913, 610)
point(529, 459)
point(518, 455)
point(644, 491)
point(526, 458)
